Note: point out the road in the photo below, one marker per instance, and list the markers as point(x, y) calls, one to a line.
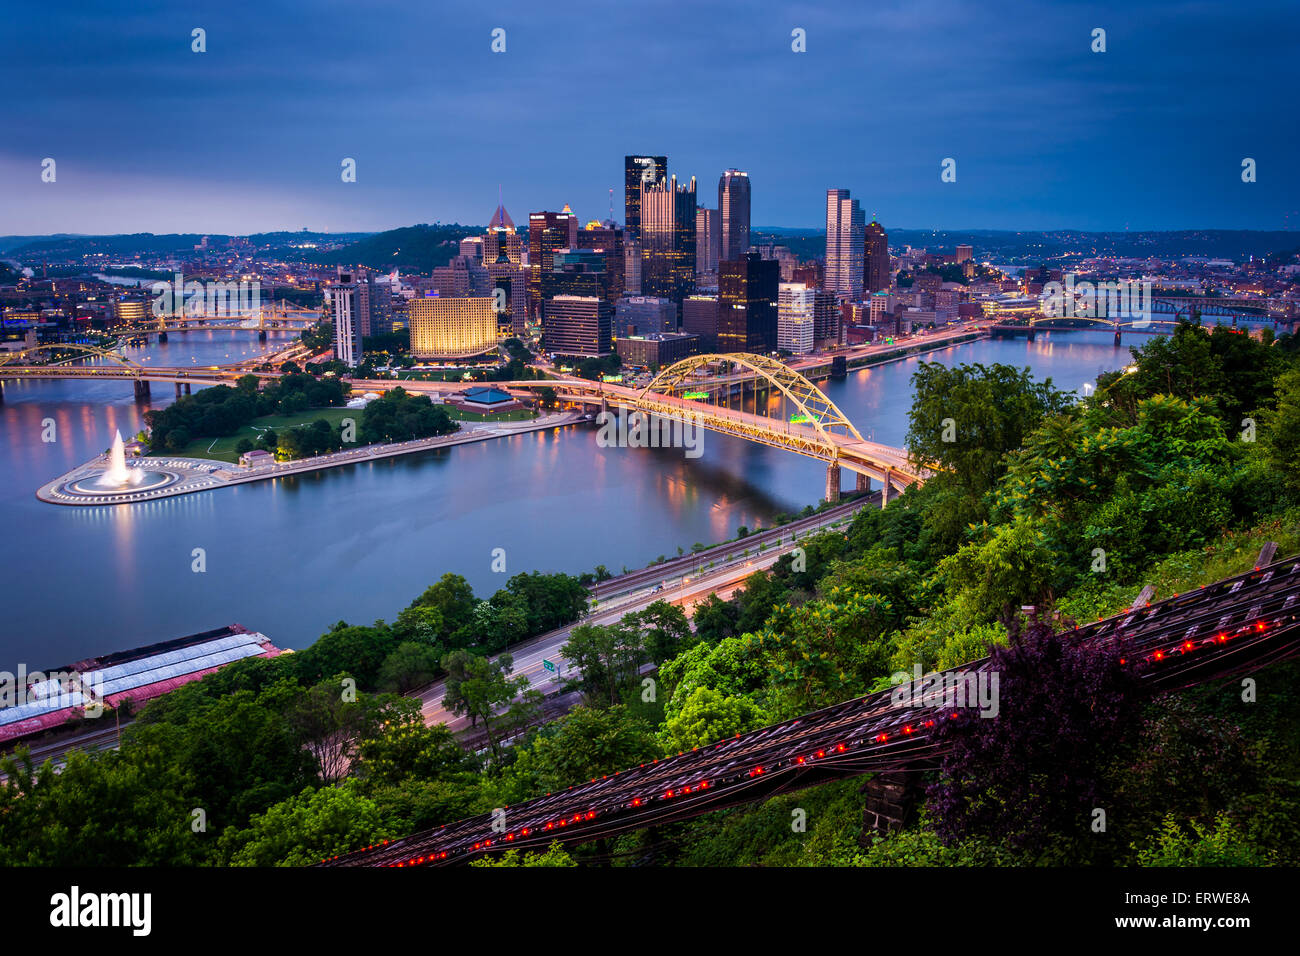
point(684, 582)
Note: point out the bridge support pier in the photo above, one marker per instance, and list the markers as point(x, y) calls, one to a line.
point(891, 802)
point(162, 336)
point(261, 335)
point(1032, 333)
point(141, 390)
point(885, 488)
point(178, 389)
point(864, 483)
point(1117, 337)
point(187, 388)
point(2, 393)
point(832, 483)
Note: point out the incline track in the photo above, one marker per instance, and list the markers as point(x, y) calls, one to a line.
point(1223, 629)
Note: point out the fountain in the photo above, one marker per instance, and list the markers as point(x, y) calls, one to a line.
point(118, 475)
point(119, 481)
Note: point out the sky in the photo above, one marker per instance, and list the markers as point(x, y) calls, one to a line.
point(249, 136)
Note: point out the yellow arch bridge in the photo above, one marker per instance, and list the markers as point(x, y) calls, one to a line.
point(709, 391)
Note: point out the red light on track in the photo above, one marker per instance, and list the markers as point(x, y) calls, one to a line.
point(840, 748)
point(821, 753)
point(800, 760)
point(1159, 655)
point(881, 738)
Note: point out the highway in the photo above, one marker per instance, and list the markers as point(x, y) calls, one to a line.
point(684, 582)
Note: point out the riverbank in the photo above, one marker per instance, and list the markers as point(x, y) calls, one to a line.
point(189, 475)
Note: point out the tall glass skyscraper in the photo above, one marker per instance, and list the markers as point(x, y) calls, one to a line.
point(845, 244)
point(733, 214)
point(668, 240)
point(638, 170)
point(876, 268)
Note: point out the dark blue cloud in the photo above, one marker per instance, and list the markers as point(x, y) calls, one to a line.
point(1046, 134)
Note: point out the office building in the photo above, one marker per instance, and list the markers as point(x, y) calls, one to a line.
point(349, 305)
point(733, 214)
point(668, 239)
point(700, 318)
point(876, 271)
point(795, 324)
point(548, 233)
point(747, 303)
point(639, 170)
point(964, 254)
point(845, 237)
point(656, 350)
point(707, 241)
point(501, 237)
point(451, 327)
point(641, 315)
point(578, 325)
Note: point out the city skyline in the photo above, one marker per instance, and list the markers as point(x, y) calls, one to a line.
point(149, 136)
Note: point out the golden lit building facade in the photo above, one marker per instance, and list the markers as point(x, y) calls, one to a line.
point(450, 327)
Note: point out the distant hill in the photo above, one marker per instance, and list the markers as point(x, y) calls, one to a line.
point(1009, 246)
point(64, 248)
point(411, 248)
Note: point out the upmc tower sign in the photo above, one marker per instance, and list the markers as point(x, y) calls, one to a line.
point(652, 170)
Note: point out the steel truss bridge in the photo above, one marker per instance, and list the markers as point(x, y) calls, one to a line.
point(118, 367)
point(692, 393)
point(278, 316)
point(1216, 632)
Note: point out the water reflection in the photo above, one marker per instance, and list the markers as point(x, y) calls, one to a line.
point(292, 556)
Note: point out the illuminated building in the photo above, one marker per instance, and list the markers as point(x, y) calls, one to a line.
point(548, 233)
point(876, 258)
point(733, 214)
point(577, 325)
point(845, 236)
point(707, 248)
point(747, 299)
point(795, 321)
point(668, 240)
point(451, 327)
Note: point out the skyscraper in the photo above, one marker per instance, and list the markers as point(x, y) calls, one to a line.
point(707, 241)
point(637, 170)
point(548, 232)
point(747, 304)
point(668, 239)
point(501, 236)
point(876, 265)
point(651, 170)
point(845, 240)
point(733, 214)
point(349, 299)
point(796, 321)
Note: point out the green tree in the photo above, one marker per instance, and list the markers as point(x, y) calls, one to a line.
point(608, 658)
point(307, 828)
point(708, 716)
point(484, 691)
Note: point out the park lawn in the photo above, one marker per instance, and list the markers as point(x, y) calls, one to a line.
point(465, 415)
point(223, 448)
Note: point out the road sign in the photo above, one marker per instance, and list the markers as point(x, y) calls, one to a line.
point(548, 665)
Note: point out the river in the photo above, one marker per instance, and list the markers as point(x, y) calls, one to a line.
point(292, 556)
